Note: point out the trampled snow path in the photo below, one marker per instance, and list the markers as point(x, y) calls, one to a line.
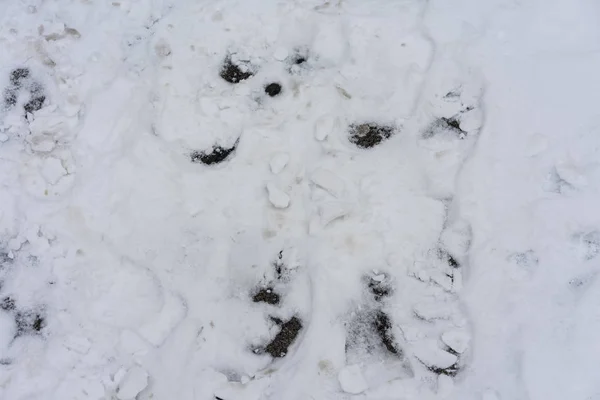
point(259, 200)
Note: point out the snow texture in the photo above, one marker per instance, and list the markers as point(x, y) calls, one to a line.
point(415, 182)
point(351, 380)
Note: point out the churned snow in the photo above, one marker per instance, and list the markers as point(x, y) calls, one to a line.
point(254, 200)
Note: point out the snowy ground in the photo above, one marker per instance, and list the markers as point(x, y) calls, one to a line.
point(411, 212)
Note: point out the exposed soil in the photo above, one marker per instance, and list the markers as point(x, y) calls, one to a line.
point(7, 304)
point(18, 75)
point(35, 104)
point(444, 255)
point(383, 326)
point(450, 371)
point(451, 125)
point(273, 89)
point(217, 155)
point(10, 97)
point(369, 134)
point(283, 340)
point(266, 295)
point(379, 289)
point(29, 323)
point(234, 73)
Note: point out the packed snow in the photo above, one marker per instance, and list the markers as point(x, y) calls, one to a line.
point(255, 200)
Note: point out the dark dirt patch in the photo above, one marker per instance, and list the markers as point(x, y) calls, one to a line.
point(450, 371)
point(451, 125)
point(18, 75)
point(283, 340)
point(299, 59)
point(448, 258)
point(369, 134)
point(279, 266)
point(383, 326)
point(273, 89)
point(35, 104)
point(7, 304)
point(29, 323)
point(379, 289)
point(217, 154)
point(266, 295)
point(371, 331)
point(234, 73)
point(10, 97)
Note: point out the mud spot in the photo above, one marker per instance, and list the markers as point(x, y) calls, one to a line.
point(35, 104)
point(379, 286)
point(29, 323)
point(266, 295)
point(448, 258)
point(273, 89)
point(18, 75)
point(383, 327)
point(10, 97)
point(7, 304)
point(450, 371)
point(216, 155)
point(371, 331)
point(444, 125)
point(279, 266)
point(369, 134)
point(299, 59)
point(285, 338)
point(235, 73)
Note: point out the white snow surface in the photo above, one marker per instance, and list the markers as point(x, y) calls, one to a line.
point(128, 271)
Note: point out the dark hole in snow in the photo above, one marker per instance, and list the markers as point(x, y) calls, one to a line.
point(216, 155)
point(369, 134)
point(383, 326)
point(218, 398)
point(284, 339)
point(34, 104)
point(273, 89)
point(10, 97)
point(7, 304)
point(450, 371)
point(233, 73)
point(29, 323)
point(17, 75)
point(266, 295)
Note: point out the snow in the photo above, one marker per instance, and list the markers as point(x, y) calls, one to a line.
point(279, 162)
point(277, 197)
point(127, 271)
point(132, 383)
point(52, 170)
point(329, 181)
point(456, 340)
point(432, 356)
point(352, 380)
